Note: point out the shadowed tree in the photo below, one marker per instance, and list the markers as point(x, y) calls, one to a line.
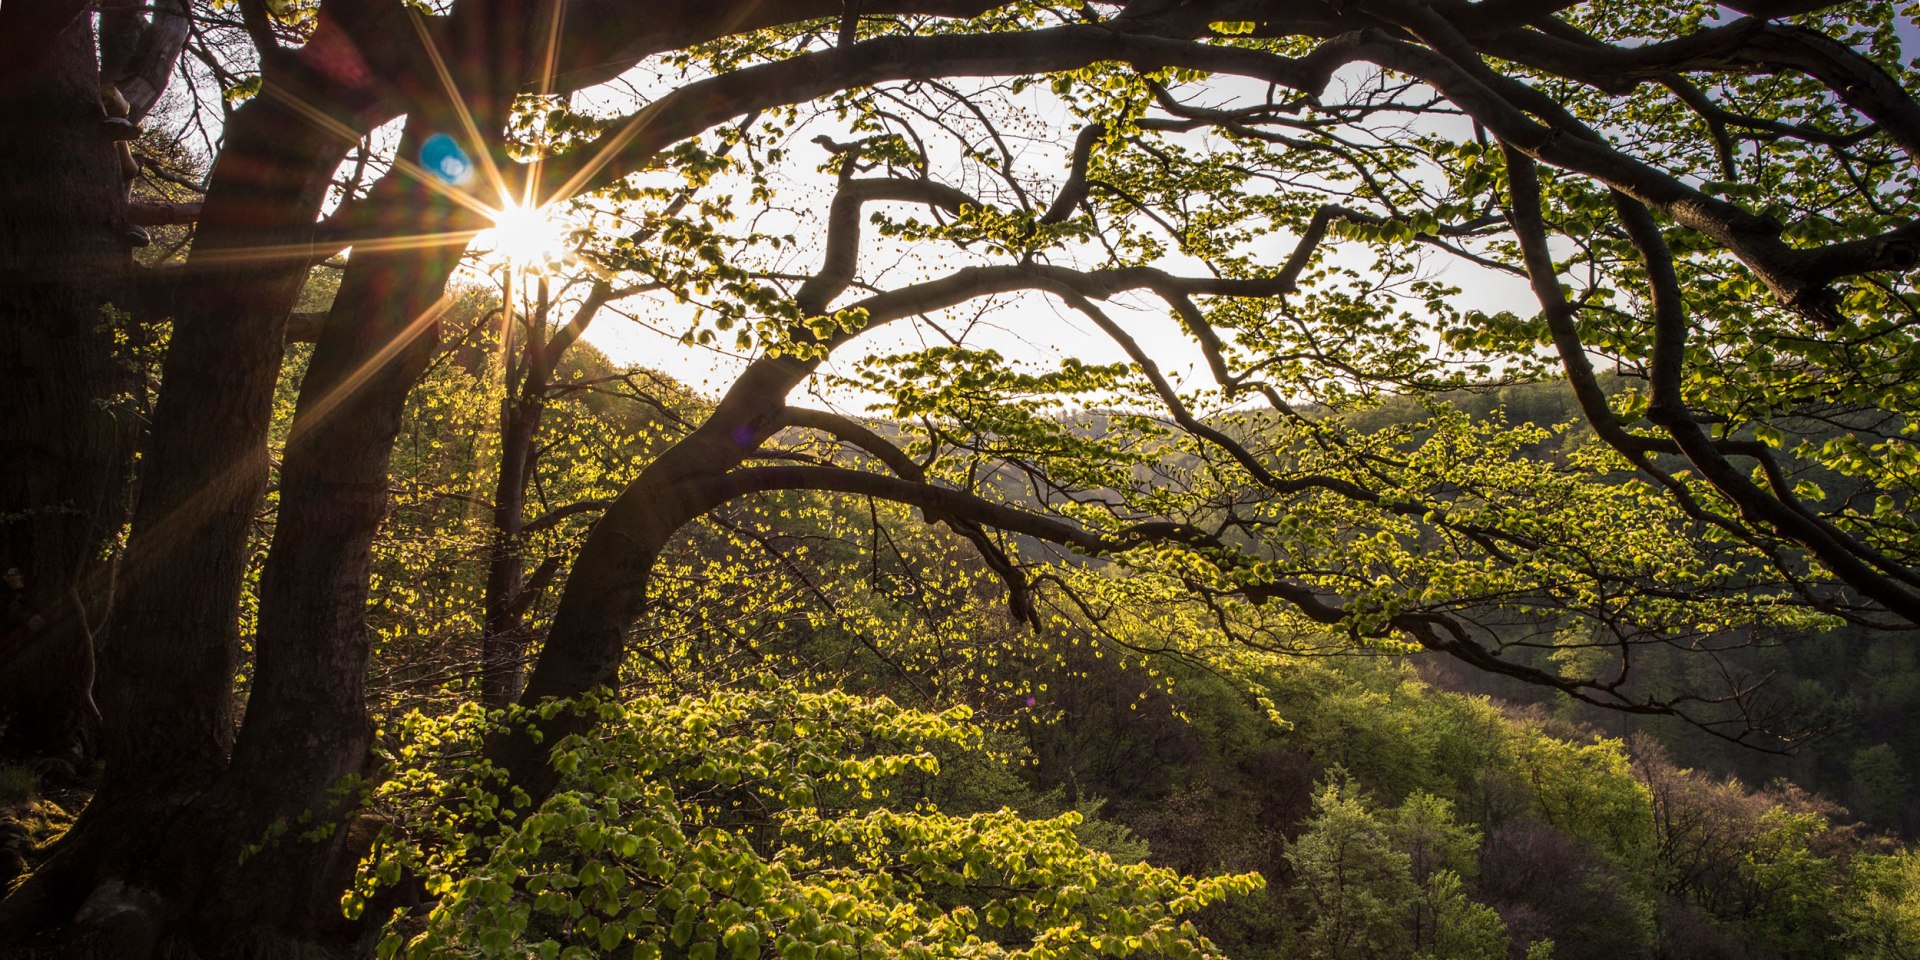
point(69, 102)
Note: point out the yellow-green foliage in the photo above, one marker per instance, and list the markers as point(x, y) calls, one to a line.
point(746, 825)
point(1883, 906)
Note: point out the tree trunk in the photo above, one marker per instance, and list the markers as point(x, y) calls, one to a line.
point(503, 644)
point(165, 677)
point(66, 292)
point(307, 732)
point(607, 589)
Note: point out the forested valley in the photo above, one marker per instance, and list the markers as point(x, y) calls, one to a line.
point(1266, 479)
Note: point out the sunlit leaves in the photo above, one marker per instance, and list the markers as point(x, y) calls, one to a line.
point(744, 825)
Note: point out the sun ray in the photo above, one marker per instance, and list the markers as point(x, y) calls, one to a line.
point(264, 253)
point(346, 388)
point(465, 116)
point(549, 61)
point(287, 251)
point(603, 155)
point(635, 125)
point(189, 517)
point(311, 113)
point(416, 241)
point(401, 164)
point(508, 293)
point(433, 182)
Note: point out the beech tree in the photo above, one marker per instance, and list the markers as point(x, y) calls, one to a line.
point(67, 111)
point(1715, 199)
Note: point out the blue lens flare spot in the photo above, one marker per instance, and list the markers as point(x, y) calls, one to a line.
point(441, 155)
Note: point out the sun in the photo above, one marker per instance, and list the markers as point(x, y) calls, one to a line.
point(528, 238)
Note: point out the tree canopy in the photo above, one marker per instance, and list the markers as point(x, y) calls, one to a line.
point(1347, 218)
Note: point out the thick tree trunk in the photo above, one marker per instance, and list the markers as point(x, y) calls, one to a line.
point(66, 292)
point(156, 855)
point(307, 732)
point(258, 854)
point(165, 677)
point(607, 589)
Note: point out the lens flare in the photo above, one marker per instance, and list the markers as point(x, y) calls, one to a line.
point(441, 156)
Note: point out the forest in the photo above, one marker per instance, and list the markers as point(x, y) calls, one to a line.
point(960, 479)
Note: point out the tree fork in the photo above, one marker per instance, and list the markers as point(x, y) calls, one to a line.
point(306, 739)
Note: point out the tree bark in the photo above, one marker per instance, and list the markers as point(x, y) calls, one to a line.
point(165, 679)
point(66, 293)
point(607, 589)
point(503, 642)
point(307, 734)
